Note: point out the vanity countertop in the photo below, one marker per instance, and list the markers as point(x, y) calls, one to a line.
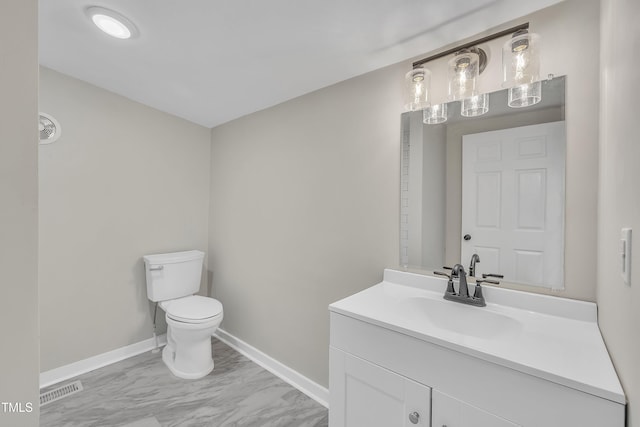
point(553, 338)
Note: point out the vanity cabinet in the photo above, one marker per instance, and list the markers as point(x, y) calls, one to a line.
point(402, 356)
point(364, 394)
point(450, 412)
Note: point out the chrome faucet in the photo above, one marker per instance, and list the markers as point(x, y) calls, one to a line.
point(472, 267)
point(463, 289)
point(462, 296)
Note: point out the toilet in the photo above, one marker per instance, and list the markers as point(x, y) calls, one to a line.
point(172, 281)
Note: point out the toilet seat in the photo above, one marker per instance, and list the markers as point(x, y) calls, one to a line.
point(192, 309)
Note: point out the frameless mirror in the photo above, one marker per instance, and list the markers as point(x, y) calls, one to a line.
point(491, 185)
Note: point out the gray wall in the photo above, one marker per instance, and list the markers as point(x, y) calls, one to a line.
point(19, 209)
point(434, 195)
point(124, 180)
point(619, 203)
point(304, 211)
point(305, 195)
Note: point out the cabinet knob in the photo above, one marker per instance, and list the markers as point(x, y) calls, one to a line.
point(414, 417)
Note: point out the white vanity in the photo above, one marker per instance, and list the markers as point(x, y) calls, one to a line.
point(401, 355)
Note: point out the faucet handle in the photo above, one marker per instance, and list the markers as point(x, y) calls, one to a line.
point(453, 273)
point(481, 281)
point(450, 290)
point(497, 276)
point(440, 273)
point(477, 293)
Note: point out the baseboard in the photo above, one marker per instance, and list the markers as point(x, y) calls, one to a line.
point(305, 385)
point(71, 370)
point(310, 388)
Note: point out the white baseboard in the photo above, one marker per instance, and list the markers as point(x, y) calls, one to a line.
point(310, 388)
point(71, 370)
point(305, 385)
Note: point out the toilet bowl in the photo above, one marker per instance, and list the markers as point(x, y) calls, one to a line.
point(172, 281)
point(190, 323)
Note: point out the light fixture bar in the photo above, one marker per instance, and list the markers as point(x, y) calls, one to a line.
point(511, 30)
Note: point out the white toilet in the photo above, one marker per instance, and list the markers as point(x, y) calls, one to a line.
point(172, 281)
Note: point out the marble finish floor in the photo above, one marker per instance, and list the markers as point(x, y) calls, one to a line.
point(141, 392)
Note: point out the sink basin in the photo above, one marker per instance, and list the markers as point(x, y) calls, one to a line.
point(461, 319)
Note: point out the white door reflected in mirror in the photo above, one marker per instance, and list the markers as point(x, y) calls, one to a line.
point(513, 203)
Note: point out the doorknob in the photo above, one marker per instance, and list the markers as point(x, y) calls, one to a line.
point(467, 237)
point(414, 417)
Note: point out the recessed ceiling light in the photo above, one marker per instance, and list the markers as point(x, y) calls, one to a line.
point(112, 22)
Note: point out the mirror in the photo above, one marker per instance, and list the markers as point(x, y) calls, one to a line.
point(492, 185)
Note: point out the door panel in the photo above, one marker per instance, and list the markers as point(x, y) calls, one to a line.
point(488, 206)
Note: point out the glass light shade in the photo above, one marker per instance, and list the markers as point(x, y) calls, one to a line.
point(475, 106)
point(520, 60)
point(463, 71)
point(435, 114)
point(525, 95)
point(417, 88)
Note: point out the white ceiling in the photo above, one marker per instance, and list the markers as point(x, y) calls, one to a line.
point(211, 61)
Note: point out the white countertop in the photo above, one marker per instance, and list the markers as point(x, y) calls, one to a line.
point(553, 338)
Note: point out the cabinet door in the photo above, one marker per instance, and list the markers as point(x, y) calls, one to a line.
point(450, 412)
point(366, 395)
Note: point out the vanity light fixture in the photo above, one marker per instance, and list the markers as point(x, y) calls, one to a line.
point(112, 22)
point(417, 89)
point(521, 69)
point(520, 66)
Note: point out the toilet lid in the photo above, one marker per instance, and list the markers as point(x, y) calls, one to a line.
point(194, 308)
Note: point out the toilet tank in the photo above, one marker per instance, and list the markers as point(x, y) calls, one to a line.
point(173, 275)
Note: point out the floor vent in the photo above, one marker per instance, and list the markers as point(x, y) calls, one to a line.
point(60, 392)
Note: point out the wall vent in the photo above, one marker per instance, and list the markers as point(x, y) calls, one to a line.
point(49, 128)
point(60, 392)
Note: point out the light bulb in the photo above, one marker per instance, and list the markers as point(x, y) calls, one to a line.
point(112, 23)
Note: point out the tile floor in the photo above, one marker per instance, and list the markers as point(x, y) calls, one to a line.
point(141, 392)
